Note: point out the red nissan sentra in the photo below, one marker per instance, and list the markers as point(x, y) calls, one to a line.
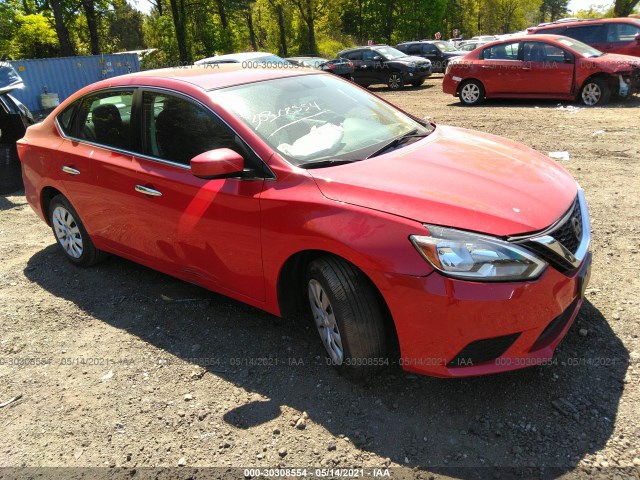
point(295, 190)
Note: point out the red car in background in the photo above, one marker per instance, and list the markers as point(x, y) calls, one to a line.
point(610, 35)
point(293, 189)
point(541, 66)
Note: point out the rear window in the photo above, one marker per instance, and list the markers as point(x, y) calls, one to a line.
point(65, 118)
point(622, 32)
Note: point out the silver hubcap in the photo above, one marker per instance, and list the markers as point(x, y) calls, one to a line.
point(325, 321)
point(591, 94)
point(470, 93)
point(395, 81)
point(67, 232)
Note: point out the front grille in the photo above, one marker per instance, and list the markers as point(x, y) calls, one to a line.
point(569, 233)
point(482, 351)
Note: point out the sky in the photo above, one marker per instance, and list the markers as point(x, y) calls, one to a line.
point(575, 5)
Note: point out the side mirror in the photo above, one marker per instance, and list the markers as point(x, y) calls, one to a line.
point(377, 58)
point(218, 163)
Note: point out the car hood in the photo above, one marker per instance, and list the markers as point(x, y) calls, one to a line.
point(458, 178)
point(412, 59)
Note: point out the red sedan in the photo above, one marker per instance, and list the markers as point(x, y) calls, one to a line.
point(541, 66)
point(297, 190)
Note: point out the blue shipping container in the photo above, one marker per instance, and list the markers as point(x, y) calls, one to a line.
point(67, 75)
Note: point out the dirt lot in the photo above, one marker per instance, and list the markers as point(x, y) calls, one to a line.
point(121, 366)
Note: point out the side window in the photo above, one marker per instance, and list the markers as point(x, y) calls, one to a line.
point(177, 130)
point(367, 55)
point(105, 118)
point(353, 55)
point(413, 49)
point(622, 32)
point(65, 118)
point(587, 34)
point(543, 52)
point(428, 48)
point(503, 51)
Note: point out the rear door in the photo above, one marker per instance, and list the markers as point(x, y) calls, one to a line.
point(622, 38)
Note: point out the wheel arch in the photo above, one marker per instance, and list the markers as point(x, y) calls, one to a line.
point(46, 195)
point(468, 80)
point(607, 77)
point(290, 289)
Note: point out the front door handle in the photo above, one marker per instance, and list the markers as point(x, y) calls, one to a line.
point(148, 191)
point(70, 171)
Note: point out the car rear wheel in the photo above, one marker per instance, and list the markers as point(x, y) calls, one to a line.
point(348, 316)
point(595, 92)
point(471, 92)
point(395, 81)
point(71, 235)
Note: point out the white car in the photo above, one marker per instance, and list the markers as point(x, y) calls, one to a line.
point(253, 58)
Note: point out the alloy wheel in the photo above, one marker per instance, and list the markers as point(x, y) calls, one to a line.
point(470, 93)
point(591, 94)
point(67, 232)
point(325, 321)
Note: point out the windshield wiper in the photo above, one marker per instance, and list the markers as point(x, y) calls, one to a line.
point(325, 163)
point(398, 141)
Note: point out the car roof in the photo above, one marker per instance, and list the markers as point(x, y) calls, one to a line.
point(205, 77)
point(241, 56)
point(574, 22)
point(364, 46)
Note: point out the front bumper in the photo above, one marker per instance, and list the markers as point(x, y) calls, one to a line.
point(456, 328)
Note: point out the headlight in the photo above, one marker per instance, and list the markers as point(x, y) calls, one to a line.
point(411, 65)
point(476, 257)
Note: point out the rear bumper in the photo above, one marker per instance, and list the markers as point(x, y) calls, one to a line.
point(449, 85)
point(454, 328)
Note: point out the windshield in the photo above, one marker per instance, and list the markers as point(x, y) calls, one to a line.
point(389, 53)
point(310, 118)
point(445, 47)
point(581, 48)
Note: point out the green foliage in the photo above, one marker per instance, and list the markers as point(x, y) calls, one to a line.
point(34, 37)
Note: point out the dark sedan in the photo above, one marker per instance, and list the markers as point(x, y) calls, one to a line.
point(438, 52)
point(338, 66)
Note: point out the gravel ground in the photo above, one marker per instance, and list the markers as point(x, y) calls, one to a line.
point(120, 366)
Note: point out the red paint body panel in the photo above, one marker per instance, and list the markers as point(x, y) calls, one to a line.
point(459, 178)
point(233, 235)
point(526, 79)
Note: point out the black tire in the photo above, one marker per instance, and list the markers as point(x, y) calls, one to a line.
point(595, 92)
point(417, 83)
point(353, 306)
point(471, 92)
point(70, 234)
point(395, 81)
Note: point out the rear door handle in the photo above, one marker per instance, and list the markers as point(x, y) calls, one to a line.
point(148, 191)
point(70, 171)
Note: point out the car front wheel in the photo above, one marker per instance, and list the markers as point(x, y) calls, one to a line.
point(348, 316)
point(395, 81)
point(471, 92)
point(71, 235)
point(595, 92)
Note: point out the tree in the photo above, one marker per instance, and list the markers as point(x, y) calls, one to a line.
point(35, 38)
point(89, 8)
point(552, 10)
point(125, 27)
point(179, 23)
point(623, 8)
point(62, 31)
